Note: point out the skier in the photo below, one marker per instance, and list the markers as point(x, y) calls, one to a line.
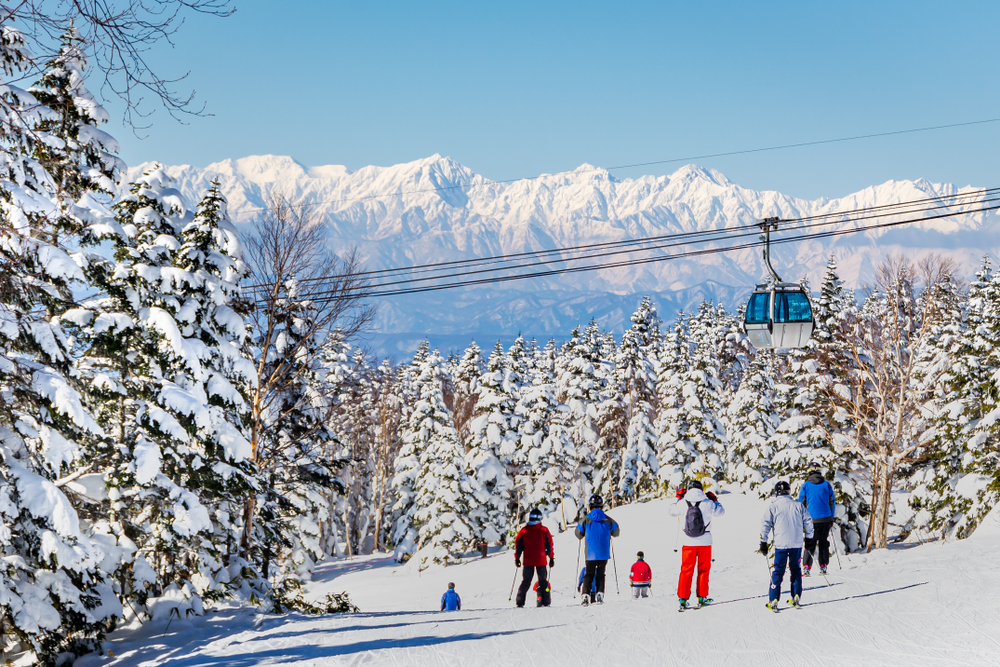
point(641, 577)
point(450, 600)
point(789, 520)
point(596, 529)
point(535, 542)
point(818, 497)
point(698, 508)
point(546, 591)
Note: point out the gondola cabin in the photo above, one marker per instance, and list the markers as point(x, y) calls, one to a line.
point(779, 316)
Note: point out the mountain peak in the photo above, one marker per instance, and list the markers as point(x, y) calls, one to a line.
point(691, 172)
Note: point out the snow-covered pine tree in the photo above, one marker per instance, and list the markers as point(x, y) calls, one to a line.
point(467, 373)
point(674, 358)
point(549, 459)
point(495, 437)
point(953, 480)
point(635, 376)
point(443, 491)
point(56, 596)
point(751, 422)
point(579, 387)
point(408, 463)
point(692, 443)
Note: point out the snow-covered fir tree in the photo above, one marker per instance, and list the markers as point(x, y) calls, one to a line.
point(751, 422)
point(441, 515)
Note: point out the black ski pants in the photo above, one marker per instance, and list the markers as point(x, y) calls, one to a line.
point(821, 536)
point(544, 597)
point(595, 572)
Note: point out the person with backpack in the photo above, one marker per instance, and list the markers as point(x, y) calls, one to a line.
point(534, 542)
point(596, 530)
point(450, 600)
point(818, 497)
point(640, 578)
point(788, 520)
point(698, 509)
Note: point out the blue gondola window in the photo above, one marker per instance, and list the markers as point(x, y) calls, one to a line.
point(791, 307)
point(757, 310)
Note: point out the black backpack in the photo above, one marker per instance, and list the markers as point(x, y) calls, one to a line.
point(694, 522)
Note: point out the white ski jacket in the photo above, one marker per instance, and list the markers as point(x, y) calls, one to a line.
point(709, 509)
point(790, 520)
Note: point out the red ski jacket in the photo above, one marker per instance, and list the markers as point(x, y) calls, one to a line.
point(534, 542)
point(641, 574)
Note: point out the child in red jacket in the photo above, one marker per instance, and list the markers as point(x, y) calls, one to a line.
point(641, 577)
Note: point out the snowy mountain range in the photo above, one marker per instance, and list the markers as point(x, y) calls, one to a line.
point(447, 212)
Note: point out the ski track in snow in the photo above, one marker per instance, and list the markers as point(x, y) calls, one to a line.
point(933, 604)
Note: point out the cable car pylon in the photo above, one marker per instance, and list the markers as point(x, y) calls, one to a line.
point(779, 314)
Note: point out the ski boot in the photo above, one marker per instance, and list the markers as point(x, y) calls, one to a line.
point(807, 570)
point(683, 604)
point(600, 598)
point(822, 569)
point(795, 602)
point(585, 599)
point(773, 606)
point(704, 602)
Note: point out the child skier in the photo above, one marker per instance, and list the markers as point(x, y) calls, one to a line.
point(698, 509)
point(450, 600)
point(579, 584)
point(789, 520)
point(596, 529)
point(535, 542)
point(641, 577)
point(818, 497)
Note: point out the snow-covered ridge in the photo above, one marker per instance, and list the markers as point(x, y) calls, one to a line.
point(448, 212)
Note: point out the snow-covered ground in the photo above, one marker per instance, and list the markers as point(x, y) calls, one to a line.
point(933, 604)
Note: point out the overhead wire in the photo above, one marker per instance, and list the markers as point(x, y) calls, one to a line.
point(703, 251)
point(706, 156)
point(485, 261)
point(667, 241)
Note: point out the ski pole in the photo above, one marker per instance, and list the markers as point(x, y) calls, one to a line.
point(677, 534)
point(614, 564)
point(512, 582)
point(579, 544)
point(835, 552)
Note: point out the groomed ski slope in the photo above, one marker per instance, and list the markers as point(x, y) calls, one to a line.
point(933, 604)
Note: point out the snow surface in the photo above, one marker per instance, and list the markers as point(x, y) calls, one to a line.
point(933, 604)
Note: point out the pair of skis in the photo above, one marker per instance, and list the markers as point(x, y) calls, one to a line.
point(684, 605)
point(795, 603)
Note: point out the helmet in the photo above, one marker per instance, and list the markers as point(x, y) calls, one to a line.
point(695, 484)
point(596, 501)
point(814, 465)
point(640, 555)
point(534, 517)
point(782, 488)
point(451, 585)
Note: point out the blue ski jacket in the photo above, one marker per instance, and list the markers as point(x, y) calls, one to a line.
point(450, 601)
point(597, 529)
point(818, 497)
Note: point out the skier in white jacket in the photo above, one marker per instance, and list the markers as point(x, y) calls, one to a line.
point(789, 520)
point(691, 504)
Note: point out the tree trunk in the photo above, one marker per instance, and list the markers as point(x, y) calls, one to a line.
point(883, 498)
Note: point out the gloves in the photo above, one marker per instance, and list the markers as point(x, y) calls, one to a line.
point(711, 496)
point(517, 562)
point(681, 492)
point(763, 548)
point(552, 562)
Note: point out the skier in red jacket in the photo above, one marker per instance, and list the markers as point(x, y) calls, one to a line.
point(641, 577)
point(534, 541)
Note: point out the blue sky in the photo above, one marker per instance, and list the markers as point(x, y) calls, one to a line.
point(514, 89)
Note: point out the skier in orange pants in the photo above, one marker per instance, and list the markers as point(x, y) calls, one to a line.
point(698, 509)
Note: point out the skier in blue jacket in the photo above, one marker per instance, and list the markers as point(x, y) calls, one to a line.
point(450, 600)
point(596, 530)
point(818, 497)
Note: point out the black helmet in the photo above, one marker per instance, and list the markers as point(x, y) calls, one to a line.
point(640, 555)
point(782, 488)
point(596, 501)
point(451, 585)
point(695, 484)
point(814, 465)
point(534, 516)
